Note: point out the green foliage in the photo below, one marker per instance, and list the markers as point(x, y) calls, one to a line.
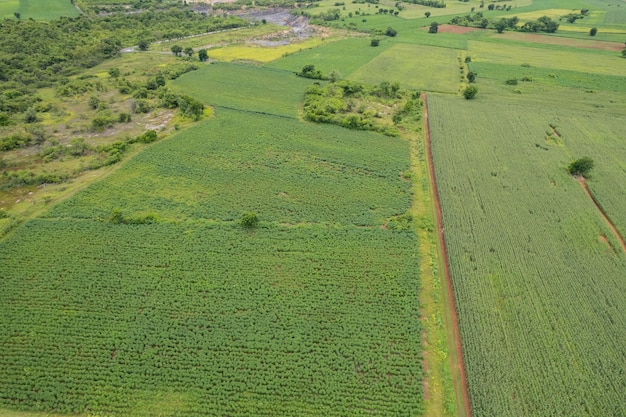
point(391, 32)
point(471, 76)
point(352, 105)
point(309, 71)
point(203, 55)
point(176, 50)
point(470, 92)
point(375, 42)
point(249, 220)
point(15, 141)
point(580, 166)
point(148, 137)
point(434, 27)
point(593, 31)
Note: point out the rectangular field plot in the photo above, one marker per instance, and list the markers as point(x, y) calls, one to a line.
point(245, 87)
point(579, 60)
point(193, 320)
point(538, 275)
point(280, 168)
point(47, 9)
point(345, 56)
point(413, 66)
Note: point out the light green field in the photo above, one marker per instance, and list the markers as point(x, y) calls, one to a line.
point(345, 56)
point(8, 7)
point(245, 87)
point(418, 67)
point(37, 9)
point(583, 61)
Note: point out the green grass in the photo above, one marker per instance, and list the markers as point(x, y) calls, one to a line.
point(8, 7)
point(345, 56)
point(418, 67)
point(537, 288)
point(547, 57)
point(208, 320)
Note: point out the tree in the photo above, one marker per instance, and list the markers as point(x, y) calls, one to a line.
point(593, 31)
point(30, 115)
point(17, 15)
point(427, 14)
point(470, 92)
point(114, 72)
point(434, 27)
point(471, 76)
point(624, 52)
point(203, 55)
point(143, 45)
point(491, 6)
point(189, 51)
point(500, 25)
point(375, 42)
point(176, 50)
point(249, 220)
point(580, 166)
point(391, 32)
point(93, 102)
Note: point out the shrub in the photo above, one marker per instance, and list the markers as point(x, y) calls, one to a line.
point(580, 166)
point(470, 92)
point(249, 220)
point(391, 32)
point(511, 81)
point(375, 42)
point(593, 31)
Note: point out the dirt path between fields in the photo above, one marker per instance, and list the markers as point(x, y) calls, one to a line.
point(608, 221)
point(456, 357)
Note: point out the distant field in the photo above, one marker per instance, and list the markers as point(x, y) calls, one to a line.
point(345, 56)
point(260, 53)
point(37, 9)
point(578, 60)
point(418, 67)
point(537, 272)
point(246, 87)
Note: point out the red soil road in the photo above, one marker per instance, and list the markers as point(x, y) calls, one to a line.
point(458, 367)
point(608, 221)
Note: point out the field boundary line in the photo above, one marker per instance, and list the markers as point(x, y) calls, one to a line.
point(456, 355)
point(606, 218)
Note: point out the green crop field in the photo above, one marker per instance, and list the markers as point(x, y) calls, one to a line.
point(414, 66)
point(37, 9)
point(537, 272)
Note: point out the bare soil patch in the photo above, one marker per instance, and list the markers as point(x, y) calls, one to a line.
point(459, 30)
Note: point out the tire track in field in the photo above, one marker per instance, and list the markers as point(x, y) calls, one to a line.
point(456, 358)
point(606, 218)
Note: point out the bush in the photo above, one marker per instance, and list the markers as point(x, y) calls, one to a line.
point(249, 220)
point(148, 137)
point(391, 32)
point(434, 27)
point(375, 42)
point(511, 81)
point(593, 31)
point(470, 92)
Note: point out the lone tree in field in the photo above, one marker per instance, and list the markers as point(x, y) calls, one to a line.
point(580, 167)
point(427, 14)
point(470, 92)
point(434, 27)
point(500, 25)
point(203, 55)
point(471, 76)
point(176, 50)
point(189, 51)
point(249, 220)
point(593, 31)
point(143, 45)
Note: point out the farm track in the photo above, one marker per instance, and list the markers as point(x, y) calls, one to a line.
point(608, 221)
point(456, 358)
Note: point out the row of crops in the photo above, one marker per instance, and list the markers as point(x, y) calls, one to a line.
point(538, 275)
point(280, 319)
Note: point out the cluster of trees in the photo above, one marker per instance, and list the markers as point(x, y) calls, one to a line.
point(349, 104)
point(437, 4)
point(573, 17)
point(543, 24)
